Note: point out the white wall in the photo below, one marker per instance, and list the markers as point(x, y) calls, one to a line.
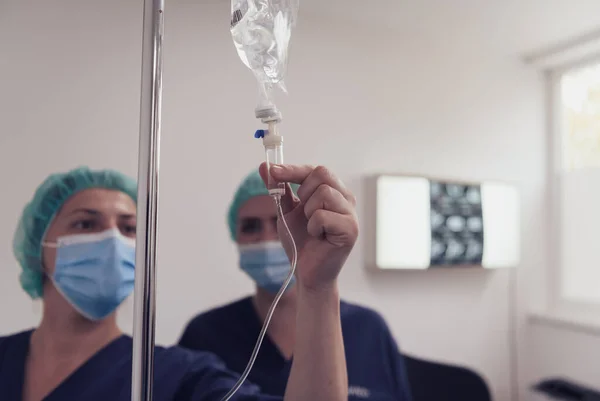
point(70, 82)
point(432, 101)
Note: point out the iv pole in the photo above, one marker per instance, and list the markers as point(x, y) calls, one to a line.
point(147, 203)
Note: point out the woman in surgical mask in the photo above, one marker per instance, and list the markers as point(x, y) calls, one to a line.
point(76, 245)
point(376, 368)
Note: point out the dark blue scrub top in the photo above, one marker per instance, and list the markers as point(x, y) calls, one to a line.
point(179, 375)
point(376, 370)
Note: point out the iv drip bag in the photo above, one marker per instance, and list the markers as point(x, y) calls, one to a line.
point(261, 31)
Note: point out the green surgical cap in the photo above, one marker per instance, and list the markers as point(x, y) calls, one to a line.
point(249, 188)
point(46, 202)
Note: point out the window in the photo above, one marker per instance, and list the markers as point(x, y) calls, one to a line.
point(577, 184)
point(580, 103)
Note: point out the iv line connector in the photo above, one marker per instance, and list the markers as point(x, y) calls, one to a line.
point(273, 143)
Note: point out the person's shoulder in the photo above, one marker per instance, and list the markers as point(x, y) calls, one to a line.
point(354, 311)
point(186, 358)
point(8, 340)
point(17, 340)
point(190, 368)
point(216, 314)
point(362, 315)
point(177, 364)
point(204, 329)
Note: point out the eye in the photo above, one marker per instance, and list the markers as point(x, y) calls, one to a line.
point(129, 230)
point(84, 225)
point(251, 225)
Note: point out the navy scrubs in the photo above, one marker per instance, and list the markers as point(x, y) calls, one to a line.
point(179, 375)
point(376, 369)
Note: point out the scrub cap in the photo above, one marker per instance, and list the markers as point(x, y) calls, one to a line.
point(249, 188)
point(46, 202)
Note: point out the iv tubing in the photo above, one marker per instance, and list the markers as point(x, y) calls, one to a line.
point(147, 205)
point(263, 332)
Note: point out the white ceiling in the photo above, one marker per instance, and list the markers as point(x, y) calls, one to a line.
point(511, 26)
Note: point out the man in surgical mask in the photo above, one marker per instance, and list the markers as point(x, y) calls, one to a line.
point(231, 331)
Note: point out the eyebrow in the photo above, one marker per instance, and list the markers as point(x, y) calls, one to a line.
point(86, 211)
point(94, 212)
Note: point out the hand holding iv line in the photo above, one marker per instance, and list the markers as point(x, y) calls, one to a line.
point(261, 31)
point(318, 229)
point(321, 221)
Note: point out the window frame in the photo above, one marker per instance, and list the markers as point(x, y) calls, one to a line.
point(560, 306)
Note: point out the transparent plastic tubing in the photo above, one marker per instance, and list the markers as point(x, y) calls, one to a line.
point(263, 332)
point(147, 206)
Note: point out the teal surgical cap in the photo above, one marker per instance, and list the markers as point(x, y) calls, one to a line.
point(46, 202)
point(249, 188)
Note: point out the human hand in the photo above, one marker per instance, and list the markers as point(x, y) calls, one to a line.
point(322, 220)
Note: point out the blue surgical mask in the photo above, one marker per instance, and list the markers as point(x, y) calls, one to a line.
point(266, 263)
point(94, 272)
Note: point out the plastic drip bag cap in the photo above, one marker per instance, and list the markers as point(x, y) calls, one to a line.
point(268, 114)
point(259, 134)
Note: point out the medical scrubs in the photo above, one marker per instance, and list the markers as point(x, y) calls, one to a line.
point(376, 369)
point(179, 375)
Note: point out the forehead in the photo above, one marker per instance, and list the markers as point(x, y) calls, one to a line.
point(258, 206)
point(103, 200)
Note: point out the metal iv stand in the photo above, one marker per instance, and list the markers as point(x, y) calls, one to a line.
point(142, 379)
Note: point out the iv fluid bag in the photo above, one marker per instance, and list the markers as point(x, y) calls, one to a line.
point(261, 31)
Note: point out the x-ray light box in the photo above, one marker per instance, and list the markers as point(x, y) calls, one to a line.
point(424, 223)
